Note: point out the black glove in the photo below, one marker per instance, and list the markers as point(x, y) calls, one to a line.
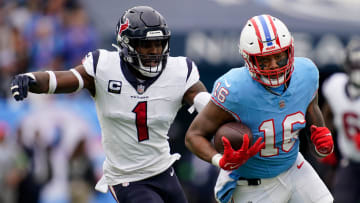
point(20, 86)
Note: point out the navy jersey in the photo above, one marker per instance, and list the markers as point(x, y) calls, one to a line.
point(276, 118)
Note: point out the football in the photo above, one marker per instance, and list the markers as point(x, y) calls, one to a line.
point(234, 132)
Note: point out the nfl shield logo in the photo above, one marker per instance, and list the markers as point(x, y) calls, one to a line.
point(140, 88)
point(281, 104)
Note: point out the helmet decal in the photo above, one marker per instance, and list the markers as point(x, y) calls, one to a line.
point(124, 26)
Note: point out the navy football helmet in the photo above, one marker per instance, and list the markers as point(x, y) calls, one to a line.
point(352, 63)
point(135, 28)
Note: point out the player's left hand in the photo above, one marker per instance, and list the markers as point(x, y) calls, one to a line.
point(322, 139)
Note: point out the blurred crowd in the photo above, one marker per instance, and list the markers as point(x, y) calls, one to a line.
point(42, 33)
point(44, 146)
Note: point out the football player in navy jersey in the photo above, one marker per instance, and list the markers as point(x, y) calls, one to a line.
point(138, 90)
point(342, 111)
point(275, 95)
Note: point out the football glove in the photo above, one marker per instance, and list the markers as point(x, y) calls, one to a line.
point(20, 86)
point(330, 160)
point(322, 139)
point(357, 141)
point(232, 159)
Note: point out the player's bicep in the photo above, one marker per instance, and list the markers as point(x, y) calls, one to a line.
point(88, 79)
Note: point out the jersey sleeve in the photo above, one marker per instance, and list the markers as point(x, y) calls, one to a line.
point(311, 76)
point(326, 87)
point(224, 93)
point(193, 74)
point(90, 61)
point(331, 83)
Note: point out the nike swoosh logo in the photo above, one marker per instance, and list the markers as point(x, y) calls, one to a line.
point(232, 165)
point(227, 84)
point(300, 165)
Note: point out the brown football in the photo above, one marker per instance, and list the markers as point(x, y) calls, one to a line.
point(234, 132)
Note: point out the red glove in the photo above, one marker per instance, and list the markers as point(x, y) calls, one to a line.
point(357, 141)
point(321, 137)
point(232, 159)
point(331, 160)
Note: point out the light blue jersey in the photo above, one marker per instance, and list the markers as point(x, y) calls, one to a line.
point(276, 118)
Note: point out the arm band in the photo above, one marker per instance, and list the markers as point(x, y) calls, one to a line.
point(80, 79)
point(215, 160)
point(52, 82)
point(200, 100)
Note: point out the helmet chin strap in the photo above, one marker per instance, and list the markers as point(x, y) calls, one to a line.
point(142, 69)
point(269, 82)
point(272, 81)
point(116, 47)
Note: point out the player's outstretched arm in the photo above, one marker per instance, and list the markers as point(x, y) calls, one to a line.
point(51, 82)
point(320, 135)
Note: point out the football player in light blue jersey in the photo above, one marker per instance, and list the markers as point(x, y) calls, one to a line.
point(275, 94)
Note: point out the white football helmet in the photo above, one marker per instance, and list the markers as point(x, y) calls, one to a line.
point(265, 35)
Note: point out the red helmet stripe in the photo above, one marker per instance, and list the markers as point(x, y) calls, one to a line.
point(274, 30)
point(257, 33)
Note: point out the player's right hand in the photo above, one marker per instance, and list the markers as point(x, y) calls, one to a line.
point(233, 159)
point(20, 86)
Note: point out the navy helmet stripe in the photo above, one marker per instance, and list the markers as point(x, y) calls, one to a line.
point(95, 55)
point(189, 65)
